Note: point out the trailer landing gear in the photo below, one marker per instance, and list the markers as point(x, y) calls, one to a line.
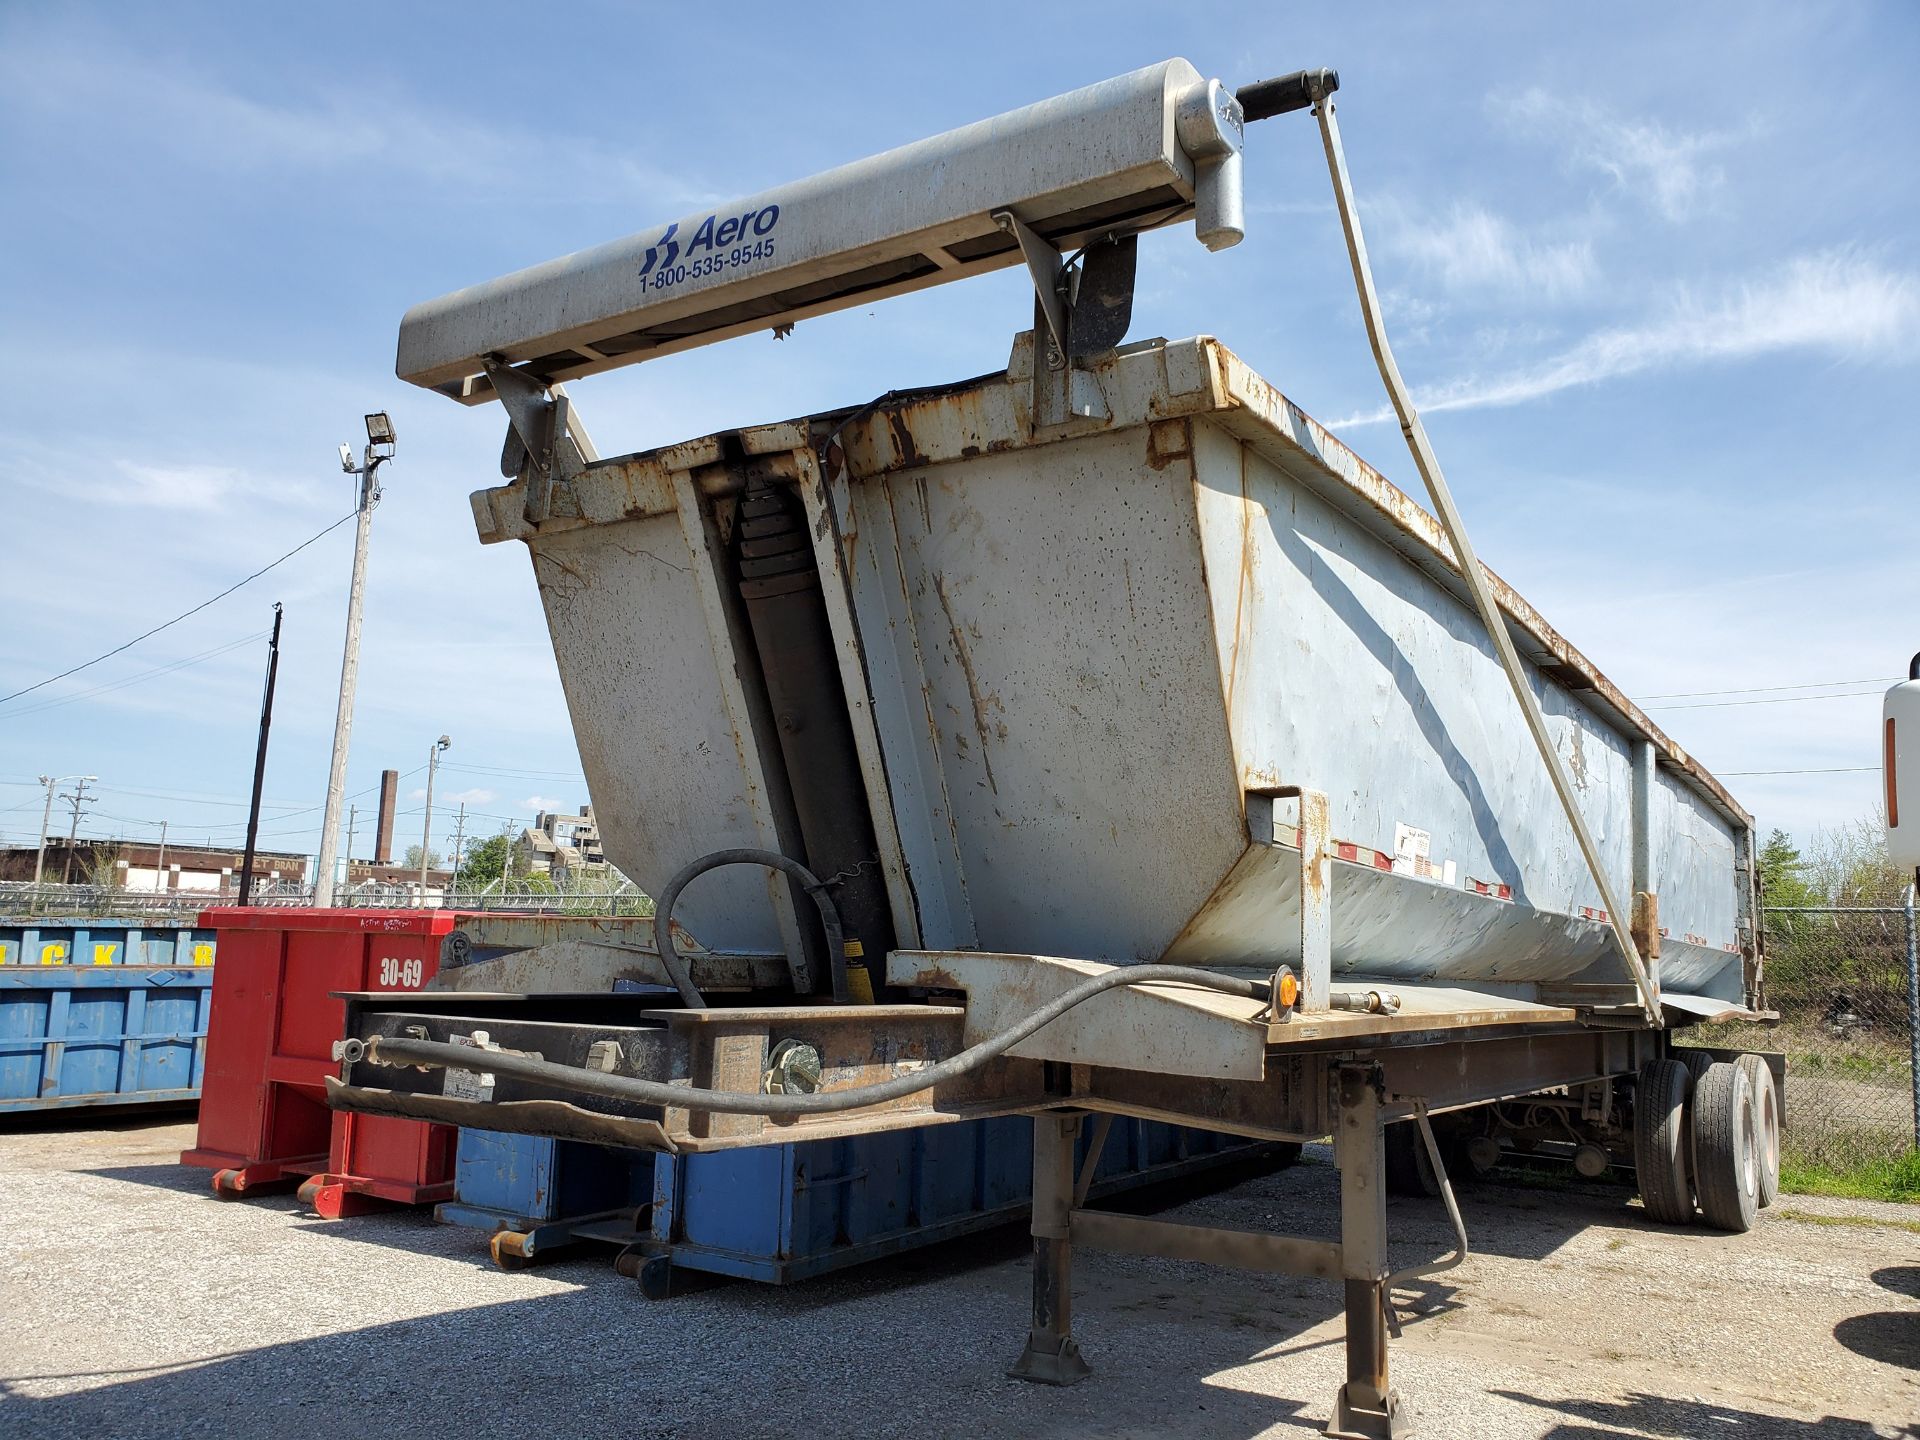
point(1366, 1406)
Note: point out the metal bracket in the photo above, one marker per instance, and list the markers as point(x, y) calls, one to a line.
point(545, 438)
point(1051, 282)
point(1316, 884)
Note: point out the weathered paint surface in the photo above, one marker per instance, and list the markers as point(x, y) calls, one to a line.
point(106, 1034)
point(1081, 645)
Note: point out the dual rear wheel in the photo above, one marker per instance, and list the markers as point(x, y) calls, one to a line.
point(1707, 1131)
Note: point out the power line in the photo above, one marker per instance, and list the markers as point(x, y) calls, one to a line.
point(200, 800)
point(1771, 700)
point(514, 774)
point(1766, 689)
point(185, 613)
point(135, 679)
point(1832, 770)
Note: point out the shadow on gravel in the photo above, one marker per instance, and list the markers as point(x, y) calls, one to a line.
point(92, 1119)
point(573, 1364)
point(1890, 1336)
point(1901, 1279)
point(1689, 1420)
point(160, 1177)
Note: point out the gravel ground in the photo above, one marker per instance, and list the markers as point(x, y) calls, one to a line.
point(137, 1305)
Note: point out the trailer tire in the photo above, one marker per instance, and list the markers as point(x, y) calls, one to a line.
point(1695, 1059)
point(1726, 1147)
point(1660, 1141)
point(1409, 1170)
point(1766, 1128)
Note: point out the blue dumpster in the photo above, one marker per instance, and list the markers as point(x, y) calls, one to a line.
point(99, 1012)
point(781, 1213)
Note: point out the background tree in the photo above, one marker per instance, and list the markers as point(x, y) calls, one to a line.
point(1848, 864)
point(484, 864)
point(411, 861)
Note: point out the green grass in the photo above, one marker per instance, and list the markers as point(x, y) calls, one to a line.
point(1895, 1179)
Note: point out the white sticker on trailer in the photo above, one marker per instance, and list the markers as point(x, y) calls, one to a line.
point(467, 1084)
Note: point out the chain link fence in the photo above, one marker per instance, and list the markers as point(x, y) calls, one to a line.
point(1842, 978)
point(597, 894)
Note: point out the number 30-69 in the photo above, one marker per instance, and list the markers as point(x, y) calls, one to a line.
point(404, 973)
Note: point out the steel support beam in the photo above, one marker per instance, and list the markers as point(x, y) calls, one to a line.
point(1366, 1406)
point(1051, 1356)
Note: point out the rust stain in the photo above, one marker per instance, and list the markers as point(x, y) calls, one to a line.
point(1244, 584)
point(904, 445)
point(964, 653)
point(1169, 441)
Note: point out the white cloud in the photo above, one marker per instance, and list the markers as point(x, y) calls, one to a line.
point(544, 802)
point(1473, 249)
point(1669, 169)
point(331, 130)
point(475, 796)
point(165, 487)
point(1836, 302)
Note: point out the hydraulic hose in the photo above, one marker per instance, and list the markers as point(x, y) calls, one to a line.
point(677, 971)
point(436, 1055)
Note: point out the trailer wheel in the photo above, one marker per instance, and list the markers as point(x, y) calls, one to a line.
point(1766, 1114)
point(1659, 1141)
point(1409, 1170)
point(1695, 1059)
point(1726, 1147)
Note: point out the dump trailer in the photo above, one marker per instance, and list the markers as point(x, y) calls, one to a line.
point(1097, 737)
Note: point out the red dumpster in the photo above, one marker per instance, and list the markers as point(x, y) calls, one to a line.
point(263, 1108)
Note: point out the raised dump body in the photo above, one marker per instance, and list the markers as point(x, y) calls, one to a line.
point(1144, 750)
point(1079, 658)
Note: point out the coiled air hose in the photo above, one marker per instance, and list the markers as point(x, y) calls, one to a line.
point(436, 1055)
point(677, 971)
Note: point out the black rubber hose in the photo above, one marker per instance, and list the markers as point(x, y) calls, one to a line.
point(432, 1053)
point(677, 971)
point(1266, 98)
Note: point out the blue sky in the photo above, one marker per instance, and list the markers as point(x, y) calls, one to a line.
point(1652, 268)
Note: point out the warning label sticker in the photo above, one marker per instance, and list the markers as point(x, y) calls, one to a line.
point(467, 1084)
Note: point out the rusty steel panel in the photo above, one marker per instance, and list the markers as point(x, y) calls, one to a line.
point(1082, 643)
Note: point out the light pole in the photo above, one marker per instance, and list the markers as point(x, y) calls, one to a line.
point(379, 450)
point(426, 830)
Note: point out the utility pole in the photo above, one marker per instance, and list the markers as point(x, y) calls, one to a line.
point(353, 817)
point(426, 830)
point(160, 865)
point(459, 840)
point(260, 759)
point(46, 818)
point(76, 800)
point(379, 450)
